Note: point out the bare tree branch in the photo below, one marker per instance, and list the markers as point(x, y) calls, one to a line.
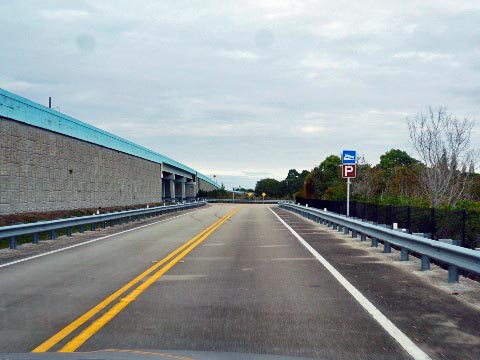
point(443, 144)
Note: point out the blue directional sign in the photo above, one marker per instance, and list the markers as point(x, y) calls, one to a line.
point(349, 157)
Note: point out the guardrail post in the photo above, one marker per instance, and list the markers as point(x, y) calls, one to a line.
point(36, 237)
point(104, 224)
point(127, 219)
point(82, 229)
point(388, 238)
point(53, 234)
point(452, 274)
point(387, 247)
point(425, 263)
point(13, 242)
point(69, 231)
point(112, 223)
point(334, 227)
point(92, 227)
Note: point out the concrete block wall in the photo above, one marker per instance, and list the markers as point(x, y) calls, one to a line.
point(45, 171)
point(203, 185)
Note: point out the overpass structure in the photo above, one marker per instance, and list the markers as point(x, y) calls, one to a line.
point(51, 161)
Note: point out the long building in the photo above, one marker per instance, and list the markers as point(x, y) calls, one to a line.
point(50, 161)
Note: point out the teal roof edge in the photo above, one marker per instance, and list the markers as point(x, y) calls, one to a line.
point(15, 107)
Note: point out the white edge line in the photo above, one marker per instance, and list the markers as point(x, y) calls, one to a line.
point(404, 341)
point(91, 241)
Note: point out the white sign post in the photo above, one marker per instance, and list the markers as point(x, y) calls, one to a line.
point(349, 171)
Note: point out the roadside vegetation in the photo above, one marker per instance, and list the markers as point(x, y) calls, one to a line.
point(440, 174)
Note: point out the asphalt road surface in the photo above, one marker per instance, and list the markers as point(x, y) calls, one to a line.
point(227, 278)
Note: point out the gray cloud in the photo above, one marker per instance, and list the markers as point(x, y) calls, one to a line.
point(243, 88)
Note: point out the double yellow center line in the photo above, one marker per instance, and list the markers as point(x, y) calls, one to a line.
point(171, 259)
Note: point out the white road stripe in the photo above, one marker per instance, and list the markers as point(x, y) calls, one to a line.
point(91, 241)
point(384, 322)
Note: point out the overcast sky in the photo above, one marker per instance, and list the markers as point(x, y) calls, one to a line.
point(246, 89)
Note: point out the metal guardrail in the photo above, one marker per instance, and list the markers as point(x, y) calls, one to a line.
point(14, 231)
point(244, 201)
point(455, 257)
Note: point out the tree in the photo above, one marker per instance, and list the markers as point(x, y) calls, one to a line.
point(323, 177)
point(269, 186)
point(443, 144)
point(294, 181)
point(395, 157)
point(366, 186)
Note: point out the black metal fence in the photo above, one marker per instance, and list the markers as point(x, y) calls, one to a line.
point(460, 225)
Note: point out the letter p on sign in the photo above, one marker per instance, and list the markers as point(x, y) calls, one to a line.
point(349, 171)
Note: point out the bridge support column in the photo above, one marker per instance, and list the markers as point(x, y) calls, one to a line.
point(172, 189)
point(168, 186)
point(181, 181)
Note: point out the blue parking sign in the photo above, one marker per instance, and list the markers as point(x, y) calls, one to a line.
point(349, 157)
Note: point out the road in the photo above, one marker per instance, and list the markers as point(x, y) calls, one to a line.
point(228, 278)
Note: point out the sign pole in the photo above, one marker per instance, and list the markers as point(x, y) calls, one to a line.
point(349, 171)
point(348, 197)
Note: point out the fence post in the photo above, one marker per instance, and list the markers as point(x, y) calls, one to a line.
point(409, 219)
point(433, 228)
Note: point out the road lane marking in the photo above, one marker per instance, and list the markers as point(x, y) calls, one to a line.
point(93, 328)
point(62, 334)
point(408, 345)
point(93, 240)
